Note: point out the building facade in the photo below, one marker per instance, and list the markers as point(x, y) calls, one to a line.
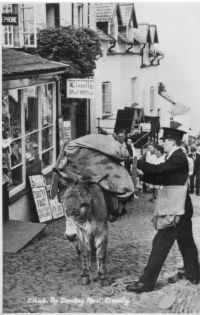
point(127, 74)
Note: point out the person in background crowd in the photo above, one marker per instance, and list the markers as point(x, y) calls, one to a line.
point(149, 157)
point(172, 216)
point(133, 164)
point(190, 160)
point(198, 147)
point(195, 177)
point(160, 158)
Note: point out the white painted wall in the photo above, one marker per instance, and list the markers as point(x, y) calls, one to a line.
point(165, 109)
point(65, 14)
point(119, 69)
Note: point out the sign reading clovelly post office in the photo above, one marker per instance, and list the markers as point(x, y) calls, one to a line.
point(80, 88)
point(9, 19)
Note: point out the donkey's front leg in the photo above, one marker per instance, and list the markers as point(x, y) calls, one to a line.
point(101, 251)
point(85, 260)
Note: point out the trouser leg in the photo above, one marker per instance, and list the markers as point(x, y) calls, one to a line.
point(188, 251)
point(161, 246)
point(191, 183)
point(197, 184)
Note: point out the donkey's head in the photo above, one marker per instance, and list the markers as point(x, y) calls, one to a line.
point(77, 206)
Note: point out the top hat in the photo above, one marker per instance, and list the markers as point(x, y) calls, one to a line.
point(171, 133)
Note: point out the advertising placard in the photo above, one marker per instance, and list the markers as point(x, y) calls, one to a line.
point(42, 203)
point(80, 88)
point(67, 130)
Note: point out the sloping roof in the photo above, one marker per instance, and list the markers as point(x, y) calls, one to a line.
point(139, 37)
point(104, 36)
point(105, 11)
point(128, 13)
point(19, 63)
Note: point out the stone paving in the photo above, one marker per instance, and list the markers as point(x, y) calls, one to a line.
point(45, 275)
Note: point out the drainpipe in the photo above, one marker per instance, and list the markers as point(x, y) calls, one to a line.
point(112, 45)
point(142, 54)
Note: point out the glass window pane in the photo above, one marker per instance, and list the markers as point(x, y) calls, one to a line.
point(10, 39)
point(17, 178)
point(15, 113)
point(26, 14)
point(47, 158)
point(25, 39)
point(47, 104)
point(16, 153)
point(31, 143)
point(6, 130)
point(31, 14)
point(47, 138)
point(6, 39)
point(31, 109)
point(31, 28)
point(32, 39)
point(25, 27)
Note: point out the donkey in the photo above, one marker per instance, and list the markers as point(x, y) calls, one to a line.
point(87, 224)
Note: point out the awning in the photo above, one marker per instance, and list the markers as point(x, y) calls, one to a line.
point(16, 62)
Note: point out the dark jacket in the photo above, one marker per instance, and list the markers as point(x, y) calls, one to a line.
point(196, 163)
point(174, 171)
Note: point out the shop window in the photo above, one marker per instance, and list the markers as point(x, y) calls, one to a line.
point(106, 98)
point(28, 132)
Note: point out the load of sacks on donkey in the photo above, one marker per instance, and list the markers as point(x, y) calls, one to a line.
point(100, 156)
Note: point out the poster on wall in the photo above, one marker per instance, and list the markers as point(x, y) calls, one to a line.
point(40, 198)
point(47, 208)
point(56, 208)
point(67, 130)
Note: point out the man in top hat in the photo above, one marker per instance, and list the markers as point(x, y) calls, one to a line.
point(172, 216)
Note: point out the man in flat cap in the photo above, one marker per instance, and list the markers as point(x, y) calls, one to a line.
point(172, 216)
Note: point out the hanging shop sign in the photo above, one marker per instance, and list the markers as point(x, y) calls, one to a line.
point(9, 19)
point(80, 88)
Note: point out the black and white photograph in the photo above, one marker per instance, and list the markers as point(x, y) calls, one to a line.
point(100, 157)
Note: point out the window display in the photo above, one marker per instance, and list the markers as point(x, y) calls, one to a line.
point(47, 158)
point(31, 108)
point(47, 104)
point(28, 131)
point(47, 138)
point(32, 147)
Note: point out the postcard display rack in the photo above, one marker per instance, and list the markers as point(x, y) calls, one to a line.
point(47, 209)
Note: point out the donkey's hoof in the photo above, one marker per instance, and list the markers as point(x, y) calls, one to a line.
point(85, 280)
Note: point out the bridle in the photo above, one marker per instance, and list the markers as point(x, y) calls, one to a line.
point(82, 233)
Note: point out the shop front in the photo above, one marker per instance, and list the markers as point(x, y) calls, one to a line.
point(30, 109)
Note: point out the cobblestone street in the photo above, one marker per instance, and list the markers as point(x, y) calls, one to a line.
point(45, 275)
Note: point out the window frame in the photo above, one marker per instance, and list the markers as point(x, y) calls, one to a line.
point(106, 97)
point(29, 21)
point(40, 128)
point(20, 26)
